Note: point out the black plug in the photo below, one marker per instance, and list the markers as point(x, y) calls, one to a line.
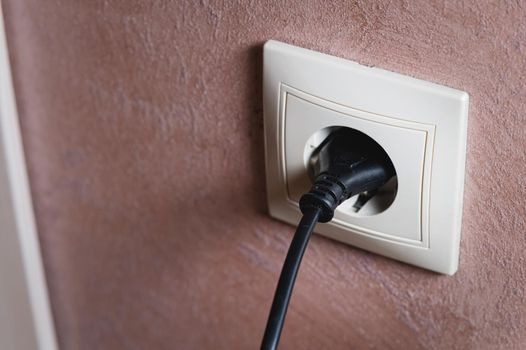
point(347, 163)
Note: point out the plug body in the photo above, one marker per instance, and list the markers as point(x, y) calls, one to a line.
point(346, 163)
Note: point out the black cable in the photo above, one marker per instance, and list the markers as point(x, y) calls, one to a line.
point(348, 162)
point(288, 277)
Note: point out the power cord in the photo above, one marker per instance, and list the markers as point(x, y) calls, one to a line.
point(346, 163)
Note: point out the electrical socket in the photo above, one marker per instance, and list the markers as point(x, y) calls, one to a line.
point(422, 127)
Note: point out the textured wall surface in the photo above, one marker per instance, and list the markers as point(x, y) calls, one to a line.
point(142, 124)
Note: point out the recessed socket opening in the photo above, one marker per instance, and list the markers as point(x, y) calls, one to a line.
point(363, 204)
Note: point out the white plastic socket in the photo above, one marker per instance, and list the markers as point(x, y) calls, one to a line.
point(422, 127)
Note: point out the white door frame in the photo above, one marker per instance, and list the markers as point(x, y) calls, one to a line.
point(25, 314)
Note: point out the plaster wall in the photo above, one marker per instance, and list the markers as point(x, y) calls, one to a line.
point(142, 124)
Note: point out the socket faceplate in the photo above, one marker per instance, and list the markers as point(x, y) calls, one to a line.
point(422, 126)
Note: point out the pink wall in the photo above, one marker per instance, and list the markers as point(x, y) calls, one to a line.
point(142, 123)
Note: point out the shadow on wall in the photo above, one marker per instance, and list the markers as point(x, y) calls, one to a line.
point(254, 100)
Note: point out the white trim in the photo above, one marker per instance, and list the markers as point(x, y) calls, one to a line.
point(421, 126)
point(25, 313)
